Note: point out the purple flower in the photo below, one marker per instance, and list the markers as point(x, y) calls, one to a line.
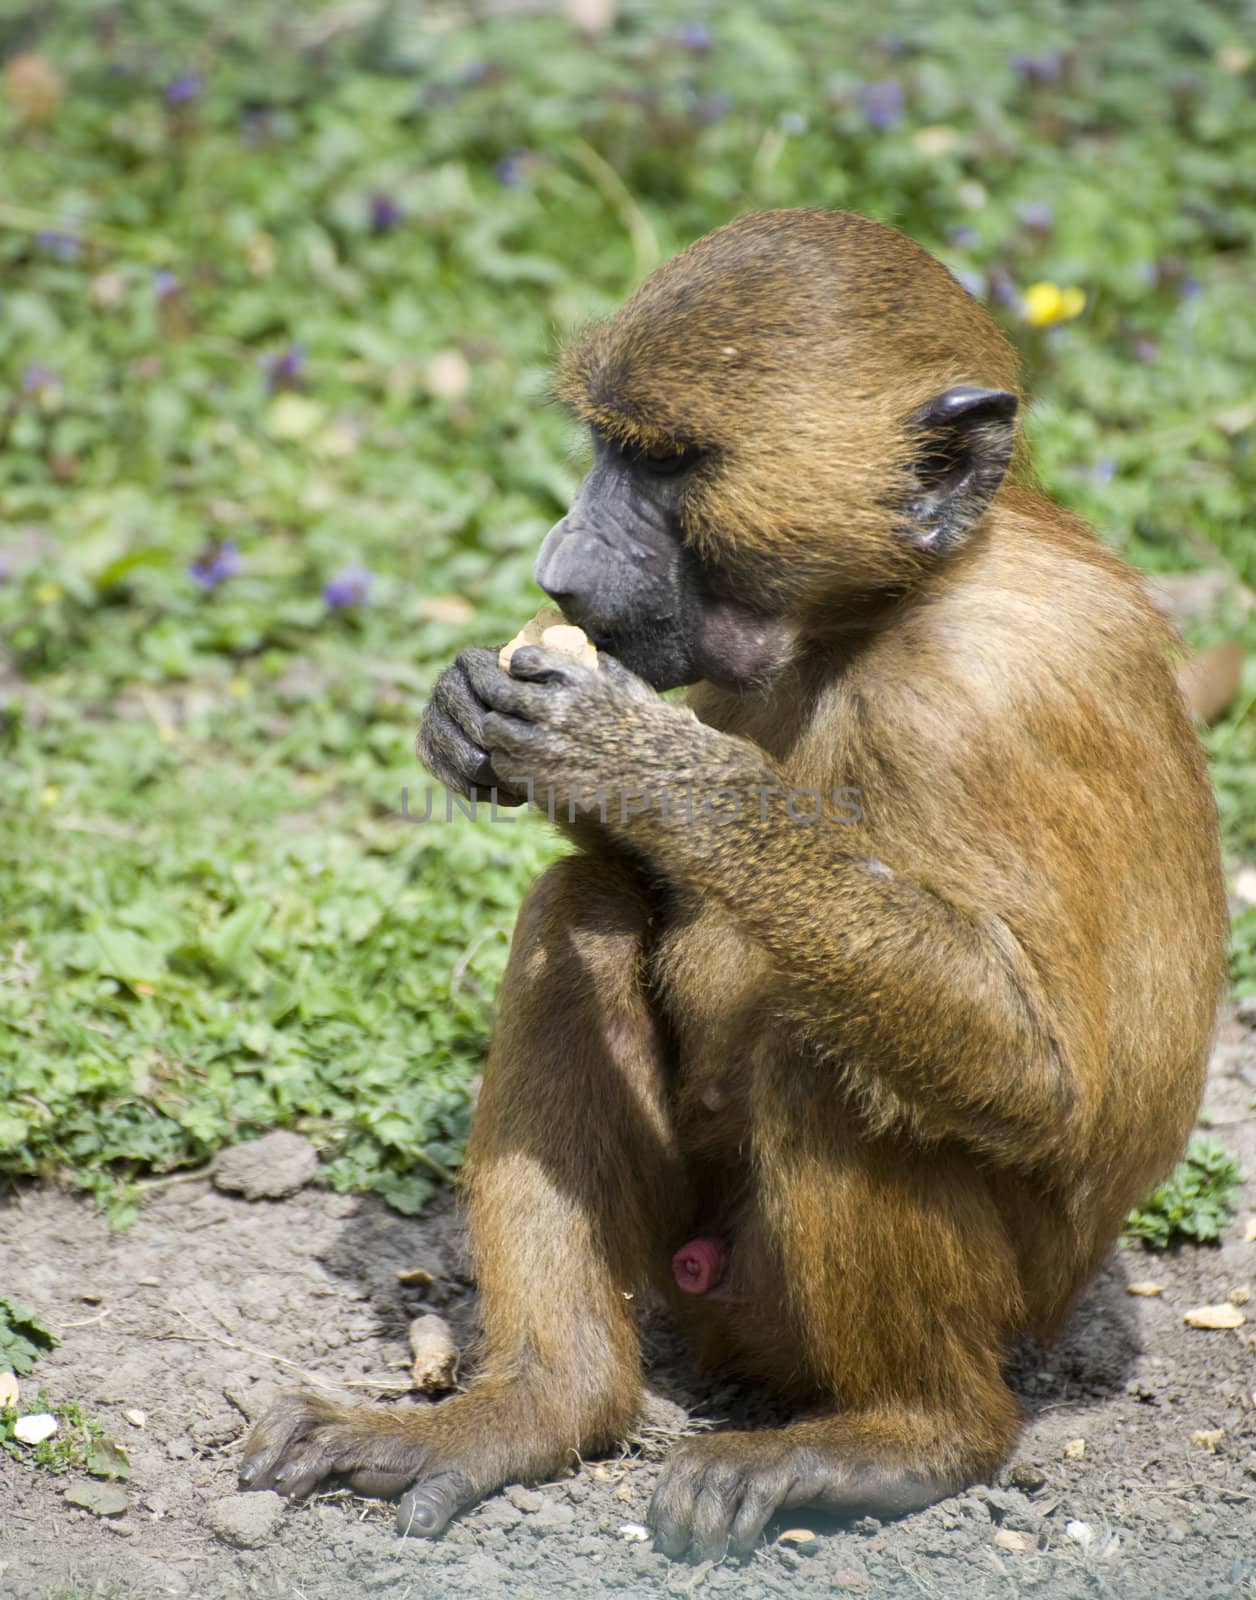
point(1191, 289)
point(385, 213)
point(215, 564)
point(974, 282)
point(350, 587)
point(476, 72)
point(37, 377)
point(694, 36)
point(881, 103)
point(1036, 215)
point(512, 170)
point(165, 283)
point(708, 109)
point(1145, 349)
point(65, 246)
point(1038, 70)
point(963, 235)
point(1103, 471)
point(1003, 290)
point(284, 369)
point(184, 89)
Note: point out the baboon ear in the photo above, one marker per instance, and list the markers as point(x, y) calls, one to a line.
point(964, 442)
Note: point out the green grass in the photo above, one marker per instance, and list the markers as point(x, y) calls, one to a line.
point(213, 920)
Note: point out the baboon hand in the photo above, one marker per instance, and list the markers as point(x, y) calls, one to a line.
point(451, 740)
point(305, 1440)
point(555, 723)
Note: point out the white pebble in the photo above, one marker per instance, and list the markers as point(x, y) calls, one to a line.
point(1080, 1533)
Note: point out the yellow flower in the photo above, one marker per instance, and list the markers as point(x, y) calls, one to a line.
point(50, 795)
point(48, 593)
point(1047, 303)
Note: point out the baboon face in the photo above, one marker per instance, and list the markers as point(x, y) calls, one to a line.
point(621, 568)
point(764, 456)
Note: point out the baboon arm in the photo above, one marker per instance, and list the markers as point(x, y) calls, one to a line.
point(878, 968)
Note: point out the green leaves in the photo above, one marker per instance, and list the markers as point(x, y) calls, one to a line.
point(23, 1337)
point(212, 919)
point(1194, 1202)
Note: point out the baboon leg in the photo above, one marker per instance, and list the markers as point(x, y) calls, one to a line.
point(898, 1287)
point(572, 1173)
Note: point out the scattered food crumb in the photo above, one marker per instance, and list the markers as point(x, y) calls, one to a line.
point(1145, 1288)
point(1222, 1316)
point(34, 1429)
point(800, 1539)
point(1080, 1533)
point(1074, 1450)
point(1021, 1543)
point(435, 1354)
point(634, 1533)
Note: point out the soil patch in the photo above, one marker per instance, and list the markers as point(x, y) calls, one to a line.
point(211, 1304)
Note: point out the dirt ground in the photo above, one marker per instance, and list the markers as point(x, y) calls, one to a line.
point(211, 1304)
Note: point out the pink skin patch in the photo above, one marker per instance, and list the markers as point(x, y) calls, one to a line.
point(699, 1265)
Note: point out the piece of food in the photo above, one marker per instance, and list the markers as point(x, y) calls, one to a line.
point(549, 630)
point(435, 1354)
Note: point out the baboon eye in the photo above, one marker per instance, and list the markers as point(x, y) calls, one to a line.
point(666, 458)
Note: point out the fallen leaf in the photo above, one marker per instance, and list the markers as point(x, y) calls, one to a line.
point(1145, 1288)
point(936, 140)
point(447, 376)
point(1214, 1317)
point(1022, 1543)
point(34, 1429)
point(107, 1460)
point(450, 608)
point(591, 17)
point(105, 1499)
point(137, 1419)
point(1074, 1450)
point(420, 1277)
point(35, 88)
point(1209, 680)
point(9, 1391)
point(1208, 1438)
point(293, 417)
point(1241, 1295)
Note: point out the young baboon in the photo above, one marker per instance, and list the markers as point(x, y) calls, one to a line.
point(882, 978)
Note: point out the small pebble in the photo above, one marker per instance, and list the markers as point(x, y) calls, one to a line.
point(524, 1499)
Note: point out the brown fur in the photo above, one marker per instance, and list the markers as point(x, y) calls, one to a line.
point(915, 1070)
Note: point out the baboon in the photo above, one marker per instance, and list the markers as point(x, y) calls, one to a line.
point(865, 1090)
